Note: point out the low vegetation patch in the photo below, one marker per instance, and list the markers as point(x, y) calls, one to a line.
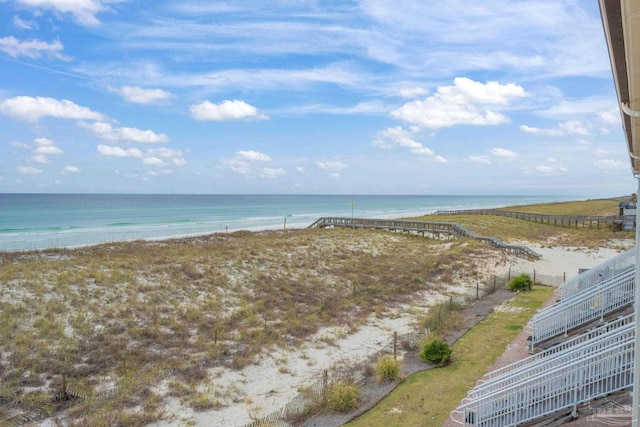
point(342, 397)
point(521, 283)
point(437, 352)
point(387, 368)
point(427, 398)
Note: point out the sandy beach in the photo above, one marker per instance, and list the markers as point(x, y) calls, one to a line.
point(262, 389)
point(140, 331)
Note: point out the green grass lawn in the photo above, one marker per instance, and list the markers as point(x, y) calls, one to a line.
point(427, 398)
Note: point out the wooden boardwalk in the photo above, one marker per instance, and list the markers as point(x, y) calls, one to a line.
point(433, 229)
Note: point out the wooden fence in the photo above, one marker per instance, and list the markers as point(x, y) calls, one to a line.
point(570, 221)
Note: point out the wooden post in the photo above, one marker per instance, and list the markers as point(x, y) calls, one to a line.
point(395, 345)
point(325, 382)
point(64, 395)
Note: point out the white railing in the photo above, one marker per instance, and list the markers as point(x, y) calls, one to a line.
point(559, 389)
point(536, 364)
point(598, 274)
point(620, 322)
point(582, 308)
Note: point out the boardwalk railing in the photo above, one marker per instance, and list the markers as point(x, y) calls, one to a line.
point(586, 221)
point(535, 364)
point(621, 322)
point(580, 309)
point(556, 389)
point(423, 227)
point(598, 274)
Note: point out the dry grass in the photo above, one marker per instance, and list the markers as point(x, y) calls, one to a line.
point(516, 230)
point(116, 319)
point(595, 207)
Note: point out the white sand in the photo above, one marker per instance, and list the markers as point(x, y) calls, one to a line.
point(258, 390)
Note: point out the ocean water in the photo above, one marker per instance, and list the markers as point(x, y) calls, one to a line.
point(41, 221)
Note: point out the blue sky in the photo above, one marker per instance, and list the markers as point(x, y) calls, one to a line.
point(314, 97)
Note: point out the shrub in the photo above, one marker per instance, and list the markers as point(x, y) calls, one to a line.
point(523, 282)
point(437, 352)
point(342, 397)
point(387, 369)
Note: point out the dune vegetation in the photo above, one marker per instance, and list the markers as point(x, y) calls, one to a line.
point(103, 335)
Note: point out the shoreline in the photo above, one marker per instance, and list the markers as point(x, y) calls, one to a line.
point(108, 222)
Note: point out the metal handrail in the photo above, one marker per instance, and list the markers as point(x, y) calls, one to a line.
point(561, 388)
point(589, 305)
point(597, 274)
point(537, 365)
point(620, 322)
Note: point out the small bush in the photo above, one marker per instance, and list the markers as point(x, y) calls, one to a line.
point(437, 352)
point(523, 282)
point(387, 369)
point(342, 397)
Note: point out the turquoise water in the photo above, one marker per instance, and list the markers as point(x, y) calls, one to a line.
point(40, 221)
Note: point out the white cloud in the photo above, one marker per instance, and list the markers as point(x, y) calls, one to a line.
point(551, 169)
point(610, 165)
point(24, 25)
point(334, 166)
point(399, 137)
point(253, 156)
point(109, 133)
point(571, 127)
point(225, 111)
point(412, 92)
point(31, 48)
point(84, 11)
point(114, 151)
point(334, 175)
point(504, 153)
point(272, 173)
point(464, 103)
point(29, 170)
point(600, 152)
point(68, 170)
point(243, 162)
point(41, 150)
point(32, 109)
point(166, 155)
point(159, 173)
point(480, 159)
point(46, 147)
point(153, 161)
point(140, 95)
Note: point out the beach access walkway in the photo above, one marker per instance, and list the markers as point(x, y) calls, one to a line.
point(434, 229)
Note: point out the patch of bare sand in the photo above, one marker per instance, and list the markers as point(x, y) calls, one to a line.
point(262, 388)
point(561, 261)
